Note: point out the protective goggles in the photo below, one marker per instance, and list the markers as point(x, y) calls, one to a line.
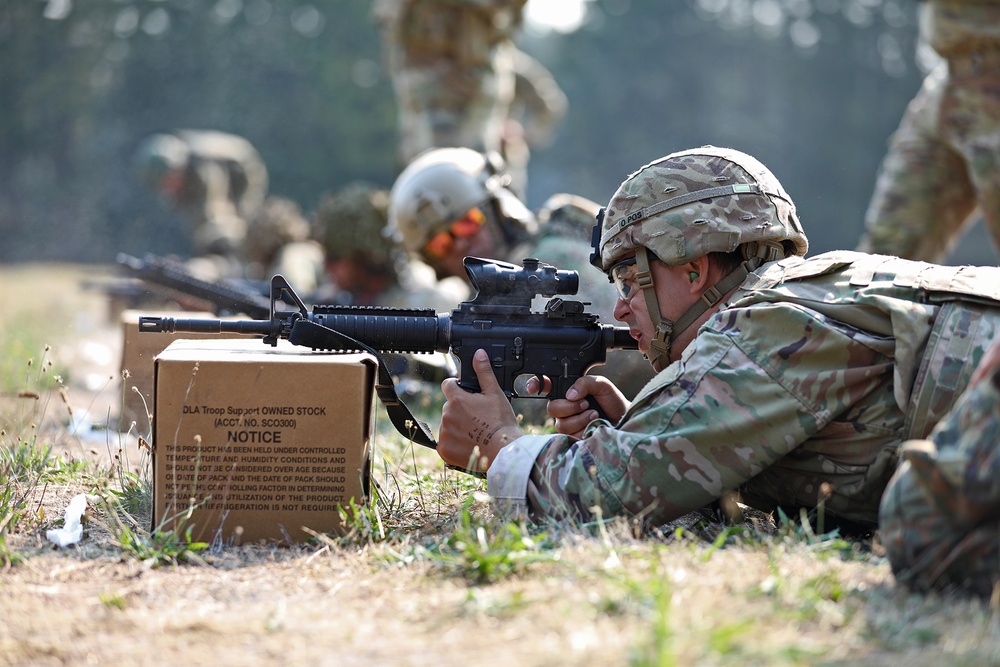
point(624, 276)
point(443, 242)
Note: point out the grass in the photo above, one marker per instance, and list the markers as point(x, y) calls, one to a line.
point(426, 573)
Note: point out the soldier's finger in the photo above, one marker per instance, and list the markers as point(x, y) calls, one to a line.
point(575, 425)
point(487, 380)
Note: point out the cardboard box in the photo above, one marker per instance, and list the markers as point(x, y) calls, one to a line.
point(260, 441)
point(138, 352)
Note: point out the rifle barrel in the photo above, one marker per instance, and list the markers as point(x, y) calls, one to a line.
point(171, 325)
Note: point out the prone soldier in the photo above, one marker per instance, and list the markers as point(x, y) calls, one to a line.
point(218, 179)
point(450, 203)
point(366, 266)
point(790, 381)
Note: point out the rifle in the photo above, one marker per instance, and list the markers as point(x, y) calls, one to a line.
point(560, 343)
point(173, 278)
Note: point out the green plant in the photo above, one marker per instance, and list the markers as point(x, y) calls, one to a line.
point(25, 462)
point(128, 505)
point(363, 523)
point(484, 551)
point(112, 600)
point(161, 547)
point(657, 650)
point(11, 508)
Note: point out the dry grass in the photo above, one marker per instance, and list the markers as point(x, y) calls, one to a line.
point(431, 588)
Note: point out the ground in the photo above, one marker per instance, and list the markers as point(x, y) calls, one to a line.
point(446, 584)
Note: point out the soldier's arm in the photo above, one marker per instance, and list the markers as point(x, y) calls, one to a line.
point(732, 407)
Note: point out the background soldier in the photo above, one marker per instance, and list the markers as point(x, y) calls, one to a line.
point(217, 179)
point(450, 203)
point(944, 158)
point(460, 81)
point(791, 380)
point(279, 240)
point(367, 267)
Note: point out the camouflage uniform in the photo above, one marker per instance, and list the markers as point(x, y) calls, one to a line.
point(460, 81)
point(940, 516)
point(218, 179)
point(944, 158)
point(535, 110)
point(452, 69)
point(797, 391)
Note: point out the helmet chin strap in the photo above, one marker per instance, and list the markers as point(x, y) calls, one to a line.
point(666, 331)
point(663, 329)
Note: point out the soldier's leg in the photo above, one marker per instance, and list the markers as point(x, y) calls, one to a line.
point(940, 515)
point(922, 195)
point(976, 122)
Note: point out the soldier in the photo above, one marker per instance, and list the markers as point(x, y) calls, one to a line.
point(944, 158)
point(535, 111)
point(450, 203)
point(792, 381)
point(217, 179)
point(460, 81)
point(279, 240)
point(368, 267)
point(940, 515)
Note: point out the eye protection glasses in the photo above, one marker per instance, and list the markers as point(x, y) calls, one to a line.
point(468, 225)
point(623, 275)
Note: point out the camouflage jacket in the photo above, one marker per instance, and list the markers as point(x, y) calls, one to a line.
point(800, 389)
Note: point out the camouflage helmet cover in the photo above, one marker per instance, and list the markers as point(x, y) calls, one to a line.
point(279, 221)
point(695, 202)
point(438, 187)
point(352, 223)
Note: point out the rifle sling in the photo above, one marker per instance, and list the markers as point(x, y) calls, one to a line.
point(307, 333)
point(310, 334)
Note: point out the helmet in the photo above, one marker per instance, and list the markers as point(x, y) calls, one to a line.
point(685, 206)
point(441, 185)
point(352, 223)
point(278, 222)
point(695, 202)
point(159, 154)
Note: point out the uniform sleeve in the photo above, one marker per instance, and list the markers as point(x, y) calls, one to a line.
point(732, 406)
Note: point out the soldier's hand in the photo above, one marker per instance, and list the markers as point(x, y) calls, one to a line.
point(475, 426)
point(573, 413)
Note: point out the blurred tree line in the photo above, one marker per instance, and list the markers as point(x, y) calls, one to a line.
point(813, 88)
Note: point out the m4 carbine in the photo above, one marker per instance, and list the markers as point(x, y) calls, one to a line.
point(561, 342)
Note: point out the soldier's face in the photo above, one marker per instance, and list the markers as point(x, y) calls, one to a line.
point(673, 296)
point(480, 244)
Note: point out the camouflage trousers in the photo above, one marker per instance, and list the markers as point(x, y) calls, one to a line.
point(940, 515)
point(444, 104)
point(943, 161)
